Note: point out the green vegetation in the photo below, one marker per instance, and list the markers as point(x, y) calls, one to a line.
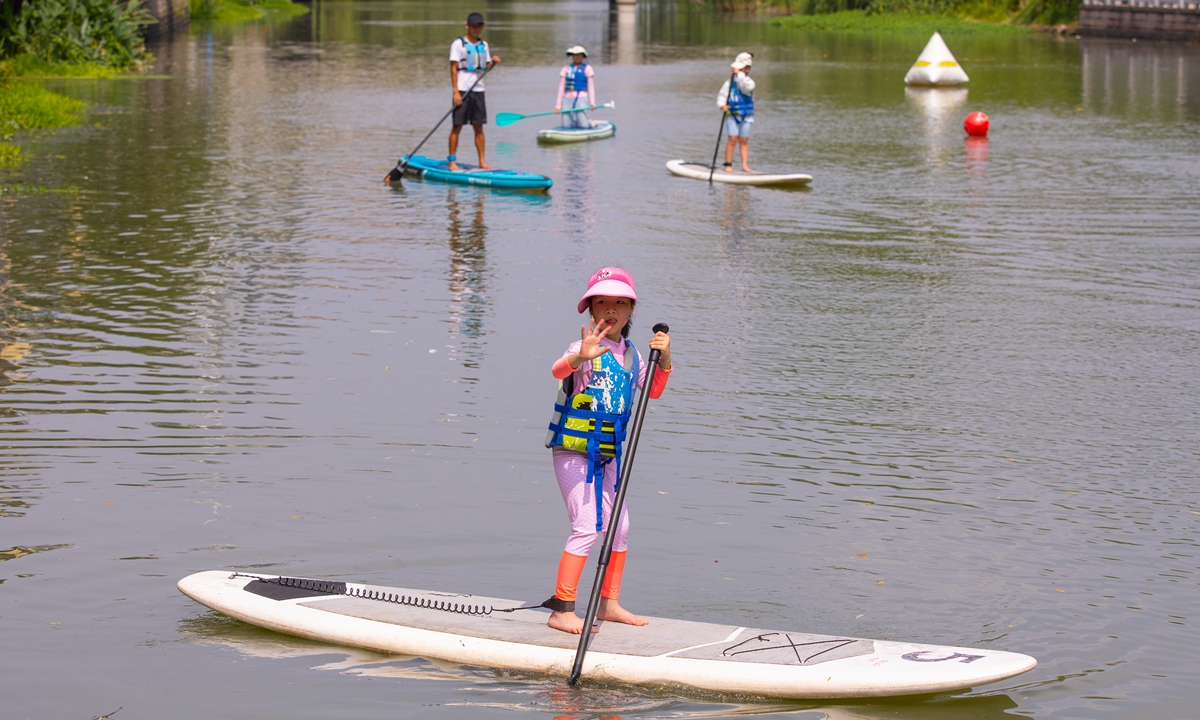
point(232, 11)
point(914, 15)
point(37, 190)
point(863, 21)
point(100, 32)
point(27, 66)
point(61, 39)
point(26, 105)
point(9, 155)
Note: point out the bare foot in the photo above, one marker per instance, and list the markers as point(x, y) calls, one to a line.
point(454, 166)
point(484, 166)
point(611, 611)
point(568, 622)
point(746, 169)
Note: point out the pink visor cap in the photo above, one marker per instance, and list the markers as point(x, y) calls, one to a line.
point(609, 281)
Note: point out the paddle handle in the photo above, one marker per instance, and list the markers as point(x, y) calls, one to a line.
point(614, 519)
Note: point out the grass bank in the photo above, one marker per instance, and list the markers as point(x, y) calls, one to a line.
point(907, 15)
point(234, 11)
point(897, 22)
point(26, 105)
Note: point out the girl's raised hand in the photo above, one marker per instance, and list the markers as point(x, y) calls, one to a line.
point(590, 336)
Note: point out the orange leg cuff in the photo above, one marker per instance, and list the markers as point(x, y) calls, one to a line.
point(612, 575)
point(570, 567)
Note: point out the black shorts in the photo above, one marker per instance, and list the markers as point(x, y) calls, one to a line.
point(473, 110)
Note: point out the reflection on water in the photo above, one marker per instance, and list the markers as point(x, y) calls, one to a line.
point(975, 155)
point(468, 271)
point(623, 34)
point(16, 552)
point(577, 190)
point(1142, 80)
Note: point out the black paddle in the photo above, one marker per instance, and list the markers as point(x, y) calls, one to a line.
point(398, 171)
point(614, 519)
point(713, 168)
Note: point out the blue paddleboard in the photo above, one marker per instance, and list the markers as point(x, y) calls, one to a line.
point(430, 169)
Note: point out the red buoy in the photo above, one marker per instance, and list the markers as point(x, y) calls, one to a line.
point(976, 124)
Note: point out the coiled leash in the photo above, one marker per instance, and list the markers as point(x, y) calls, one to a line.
point(327, 587)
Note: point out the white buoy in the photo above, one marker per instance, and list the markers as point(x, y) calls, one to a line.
point(936, 66)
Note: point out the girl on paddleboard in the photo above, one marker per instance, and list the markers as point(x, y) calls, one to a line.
point(736, 98)
point(598, 376)
point(577, 86)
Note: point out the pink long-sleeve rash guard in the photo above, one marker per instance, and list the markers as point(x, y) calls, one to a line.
point(583, 373)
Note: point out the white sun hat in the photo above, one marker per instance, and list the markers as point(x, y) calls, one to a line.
point(577, 50)
point(743, 60)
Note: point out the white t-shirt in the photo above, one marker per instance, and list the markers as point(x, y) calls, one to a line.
point(459, 54)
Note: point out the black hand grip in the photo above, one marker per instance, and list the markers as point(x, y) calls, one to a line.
point(661, 328)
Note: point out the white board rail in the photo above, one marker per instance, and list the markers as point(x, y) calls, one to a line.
point(682, 653)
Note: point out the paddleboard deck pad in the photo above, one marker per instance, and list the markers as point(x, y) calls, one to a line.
point(499, 633)
point(430, 169)
point(701, 171)
point(599, 130)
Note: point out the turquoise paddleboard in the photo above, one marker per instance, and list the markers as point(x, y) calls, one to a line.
point(430, 169)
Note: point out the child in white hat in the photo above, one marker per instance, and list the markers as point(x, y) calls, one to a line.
point(576, 85)
point(737, 100)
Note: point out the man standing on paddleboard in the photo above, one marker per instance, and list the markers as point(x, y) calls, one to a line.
point(737, 100)
point(469, 59)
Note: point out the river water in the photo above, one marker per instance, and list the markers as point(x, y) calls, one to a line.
point(949, 394)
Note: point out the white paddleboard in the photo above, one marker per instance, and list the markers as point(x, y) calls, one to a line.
point(701, 171)
point(599, 130)
point(475, 630)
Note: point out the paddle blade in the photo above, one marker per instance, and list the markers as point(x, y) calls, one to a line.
point(503, 119)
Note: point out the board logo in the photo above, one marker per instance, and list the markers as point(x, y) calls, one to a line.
point(916, 657)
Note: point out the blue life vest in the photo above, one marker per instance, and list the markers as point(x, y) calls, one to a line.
point(740, 104)
point(576, 78)
point(476, 56)
point(594, 421)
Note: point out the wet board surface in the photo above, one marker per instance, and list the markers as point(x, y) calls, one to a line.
point(706, 656)
point(598, 131)
point(431, 169)
point(701, 171)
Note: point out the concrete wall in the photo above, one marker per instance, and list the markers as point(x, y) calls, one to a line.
point(1145, 19)
point(172, 16)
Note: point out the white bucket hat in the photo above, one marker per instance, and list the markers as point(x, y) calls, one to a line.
point(743, 60)
point(577, 50)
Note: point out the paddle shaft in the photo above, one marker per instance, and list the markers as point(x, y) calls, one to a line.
point(503, 119)
point(713, 168)
point(614, 519)
point(404, 161)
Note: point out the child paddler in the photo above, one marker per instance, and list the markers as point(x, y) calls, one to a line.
point(469, 58)
point(737, 100)
point(600, 374)
point(576, 86)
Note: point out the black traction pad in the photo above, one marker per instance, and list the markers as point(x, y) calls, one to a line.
point(274, 590)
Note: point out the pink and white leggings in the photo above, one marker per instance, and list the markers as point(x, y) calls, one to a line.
point(571, 470)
